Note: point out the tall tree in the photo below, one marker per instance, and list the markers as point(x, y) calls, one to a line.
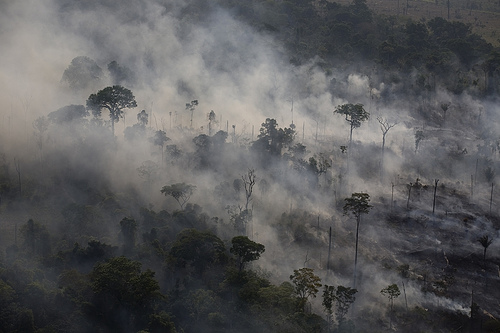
point(342, 297)
point(246, 250)
point(115, 99)
point(357, 205)
point(181, 192)
point(306, 284)
point(354, 114)
point(120, 286)
point(191, 107)
point(392, 291)
point(385, 126)
point(272, 139)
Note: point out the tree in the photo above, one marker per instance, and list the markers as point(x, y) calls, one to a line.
point(385, 126)
point(246, 250)
point(115, 99)
point(68, 114)
point(36, 238)
point(419, 136)
point(444, 107)
point(40, 125)
point(142, 118)
point(82, 73)
point(485, 242)
point(272, 139)
point(354, 114)
point(196, 249)
point(181, 192)
point(356, 205)
point(306, 284)
point(342, 297)
point(119, 285)
point(248, 183)
point(128, 230)
point(211, 120)
point(392, 292)
point(120, 74)
point(191, 107)
point(159, 139)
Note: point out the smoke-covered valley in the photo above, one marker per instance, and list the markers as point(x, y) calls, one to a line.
point(240, 104)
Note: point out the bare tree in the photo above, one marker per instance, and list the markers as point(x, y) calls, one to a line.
point(385, 126)
point(248, 183)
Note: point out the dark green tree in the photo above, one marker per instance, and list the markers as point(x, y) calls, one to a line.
point(197, 250)
point(272, 139)
point(354, 114)
point(128, 227)
point(306, 285)
point(342, 297)
point(357, 205)
point(119, 285)
point(246, 250)
point(115, 99)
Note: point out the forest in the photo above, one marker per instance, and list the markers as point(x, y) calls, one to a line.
point(247, 166)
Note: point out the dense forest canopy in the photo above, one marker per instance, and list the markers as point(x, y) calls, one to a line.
point(246, 166)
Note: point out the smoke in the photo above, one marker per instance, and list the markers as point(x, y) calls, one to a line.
point(180, 52)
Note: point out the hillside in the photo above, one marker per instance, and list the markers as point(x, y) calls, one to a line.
point(246, 166)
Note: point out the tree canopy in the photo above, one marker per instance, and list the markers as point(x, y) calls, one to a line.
point(115, 99)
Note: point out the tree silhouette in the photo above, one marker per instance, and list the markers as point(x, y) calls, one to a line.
point(385, 126)
point(356, 205)
point(392, 291)
point(181, 192)
point(246, 250)
point(342, 297)
point(485, 242)
point(115, 99)
point(354, 114)
point(306, 284)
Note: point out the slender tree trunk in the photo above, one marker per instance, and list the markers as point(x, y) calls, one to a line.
point(491, 196)
point(434, 200)
point(356, 251)
point(329, 251)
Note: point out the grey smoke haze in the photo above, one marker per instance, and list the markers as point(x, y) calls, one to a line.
point(245, 77)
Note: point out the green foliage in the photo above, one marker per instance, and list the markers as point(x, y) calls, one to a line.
point(273, 139)
point(115, 99)
point(306, 284)
point(392, 291)
point(342, 297)
point(357, 204)
point(354, 114)
point(120, 287)
point(128, 228)
point(246, 250)
point(181, 192)
point(196, 249)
